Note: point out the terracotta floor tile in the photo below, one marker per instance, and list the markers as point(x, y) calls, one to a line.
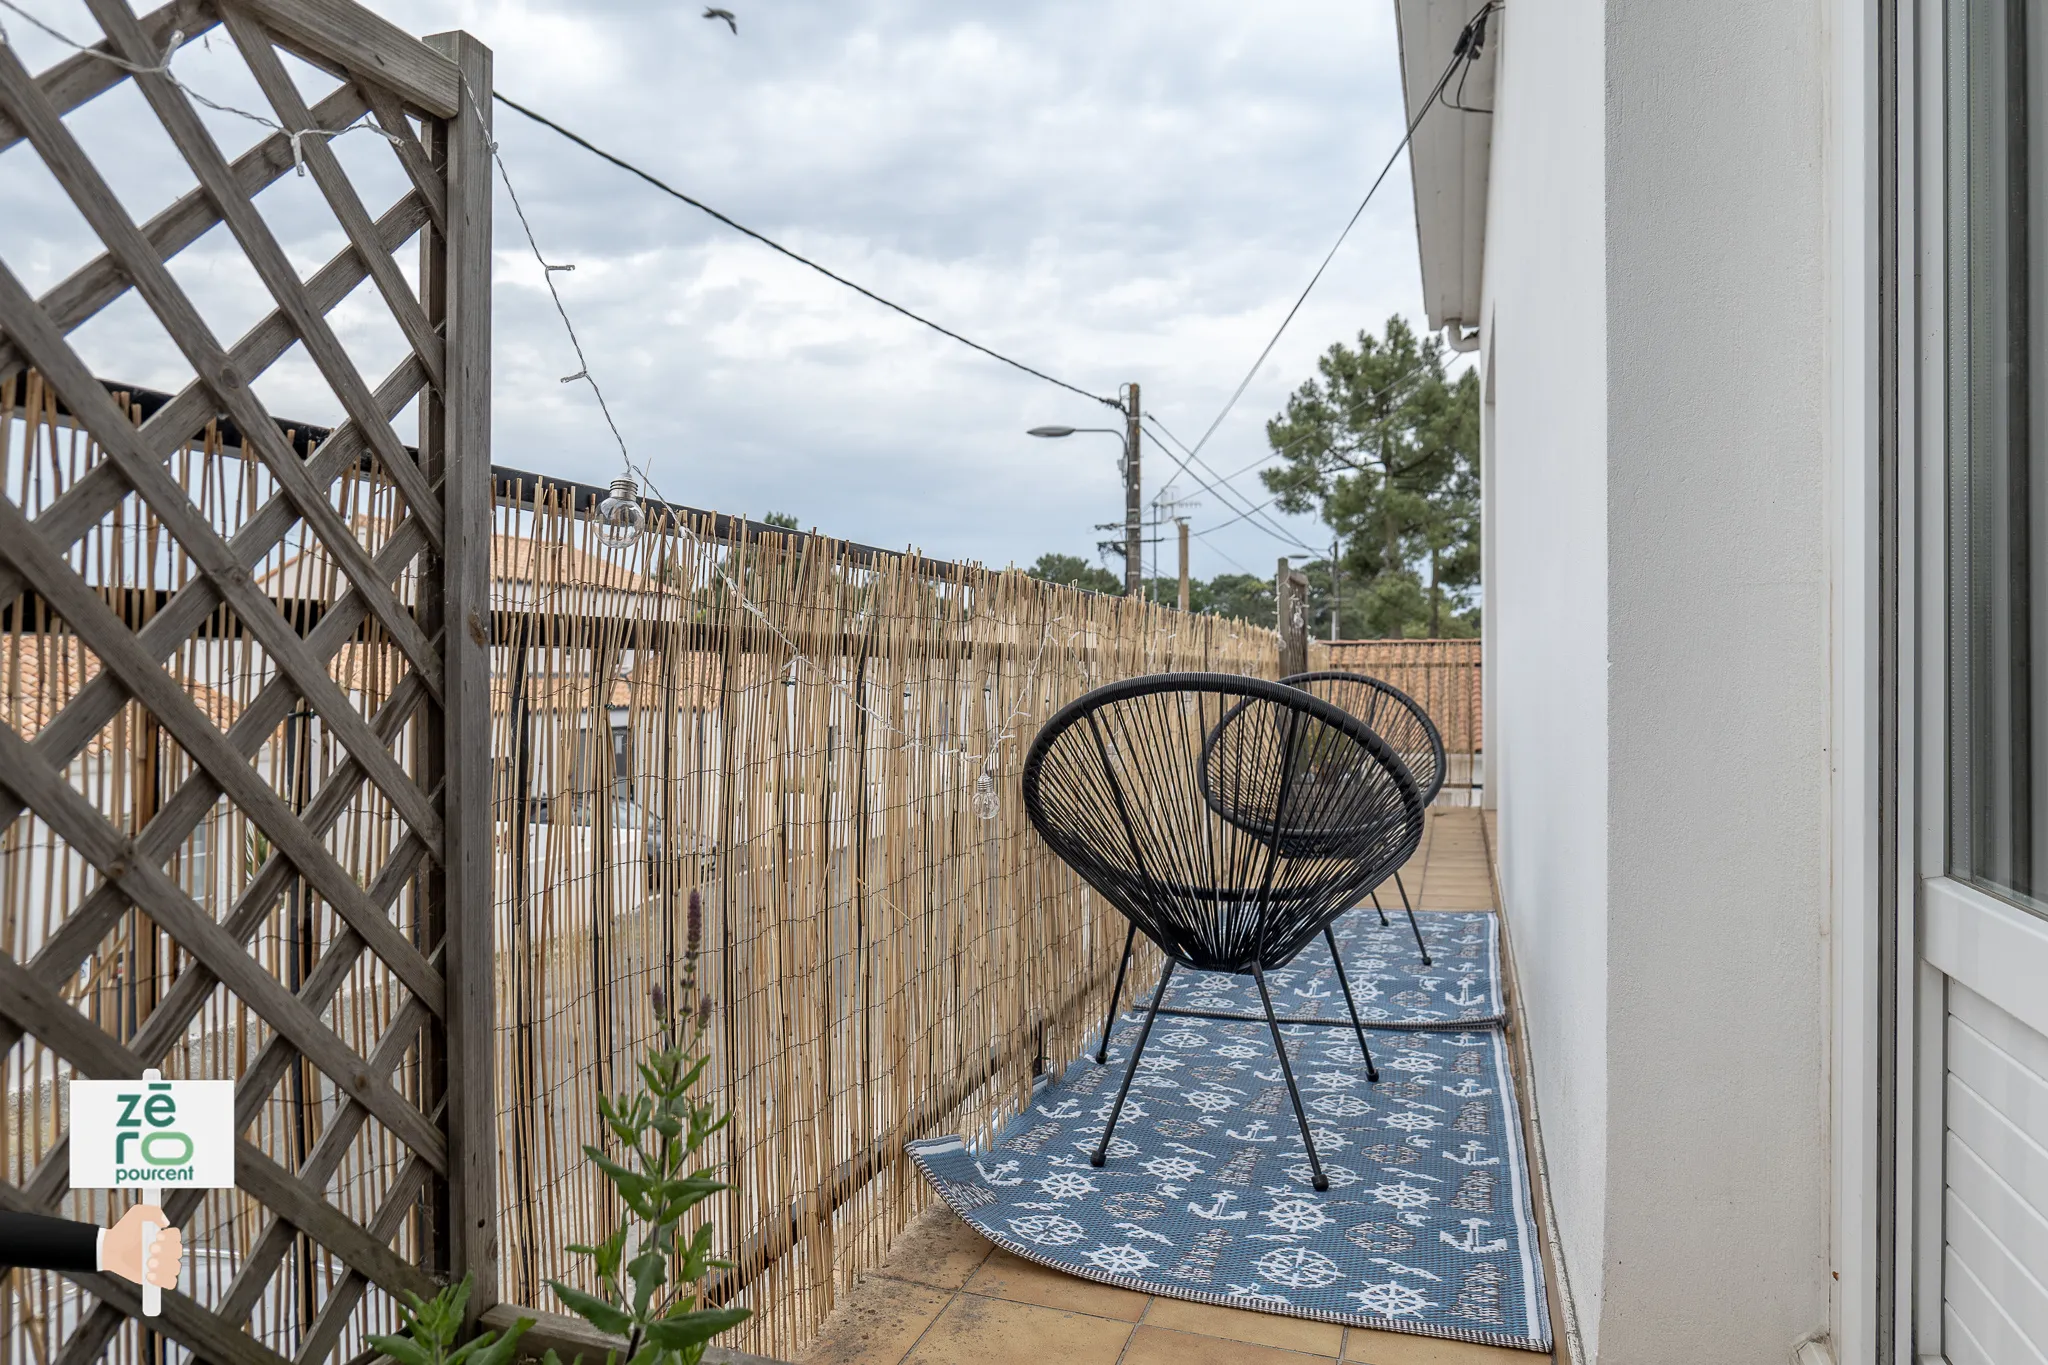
point(1157, 1346)
point(936, 1249)
point(1242, 1324)
point(1004, 1276)
point(978, 1331)
point(1368, 1347)
point(879, 1321)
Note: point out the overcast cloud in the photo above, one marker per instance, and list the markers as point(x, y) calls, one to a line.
point(1107, 192)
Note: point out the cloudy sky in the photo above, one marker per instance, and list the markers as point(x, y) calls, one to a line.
point(1107, 192)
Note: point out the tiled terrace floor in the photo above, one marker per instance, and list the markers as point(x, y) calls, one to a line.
point(946, 1297)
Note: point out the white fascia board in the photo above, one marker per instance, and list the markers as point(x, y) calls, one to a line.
point(1451, 152)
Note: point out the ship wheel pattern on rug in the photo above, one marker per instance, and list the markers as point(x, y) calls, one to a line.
point(1425, 1228)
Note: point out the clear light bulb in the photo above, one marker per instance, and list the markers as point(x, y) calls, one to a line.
point(985, 803)
point(619, 518)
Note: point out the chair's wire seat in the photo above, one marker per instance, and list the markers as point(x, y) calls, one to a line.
point(1391, 714)
point(1319, 808)
point(1242, 792)
point(1386, 710)
point(1123, 785)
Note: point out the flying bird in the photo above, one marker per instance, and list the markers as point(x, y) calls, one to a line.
point(726, 15)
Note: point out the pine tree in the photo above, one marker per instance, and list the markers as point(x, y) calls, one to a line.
point(1384, 445)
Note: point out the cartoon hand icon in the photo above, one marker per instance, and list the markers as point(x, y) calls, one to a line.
point(122, 1251)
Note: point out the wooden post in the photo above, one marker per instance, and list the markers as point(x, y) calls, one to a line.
point(1336, 592)
point(465, 297)
point(1290, 604)
point(1183, 563)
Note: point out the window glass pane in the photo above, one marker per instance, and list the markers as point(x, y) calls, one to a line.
point(1998, 429)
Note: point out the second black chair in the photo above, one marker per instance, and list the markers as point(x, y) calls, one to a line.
point(1399, 719)
point(1121, 785)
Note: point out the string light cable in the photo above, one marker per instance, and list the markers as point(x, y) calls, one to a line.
point(796, 256)
point(1466, 52)
point(1006, 732)
point(1470, 41)
point(162, 68)
point(984, 795)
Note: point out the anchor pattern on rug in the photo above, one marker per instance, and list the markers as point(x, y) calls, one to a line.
point(1207, 1189)
point(1389, 982)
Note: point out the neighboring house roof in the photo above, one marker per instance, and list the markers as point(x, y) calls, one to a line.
point(1451, 153)
point(692, 680)
point(40, 674)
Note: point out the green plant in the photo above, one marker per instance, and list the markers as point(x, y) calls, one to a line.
point(432, 1325)
point(648, 1273)
point(255, 853)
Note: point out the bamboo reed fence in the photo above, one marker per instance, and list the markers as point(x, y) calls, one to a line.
point(825, 748)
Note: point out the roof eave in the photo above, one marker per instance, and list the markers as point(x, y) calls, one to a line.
point(1450, 156)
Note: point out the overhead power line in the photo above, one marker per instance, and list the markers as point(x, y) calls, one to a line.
point(796, 256)
point(1467, 50)
point(1277, 451)
point(1236, 519)
point(1181, 461)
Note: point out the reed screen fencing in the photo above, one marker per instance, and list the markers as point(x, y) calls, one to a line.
point(823, 744)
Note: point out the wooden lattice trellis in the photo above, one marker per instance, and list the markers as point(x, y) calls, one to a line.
point(361, 1054)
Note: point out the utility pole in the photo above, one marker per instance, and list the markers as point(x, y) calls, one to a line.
point(1182, 522)
point(1134, 530)
point(1336, 601)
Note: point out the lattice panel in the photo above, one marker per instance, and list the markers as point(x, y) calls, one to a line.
point(243, 672)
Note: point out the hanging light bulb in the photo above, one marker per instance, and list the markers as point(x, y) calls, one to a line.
point(619, 518)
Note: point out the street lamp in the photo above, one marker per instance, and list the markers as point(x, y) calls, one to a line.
point(1128, 467)
point(1056, 432)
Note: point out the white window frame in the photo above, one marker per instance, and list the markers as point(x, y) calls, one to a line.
point(1948, 930)
point(1856, 142)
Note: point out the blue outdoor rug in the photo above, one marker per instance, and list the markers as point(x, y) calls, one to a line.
point(1426, 1227)
point(1393, 989)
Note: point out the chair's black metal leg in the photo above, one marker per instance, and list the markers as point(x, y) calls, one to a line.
point(1411, 921)
point(1101, 1152)
point(1372, 1073)
point(1381, 908)
point(1109, 1020)
point(1315, 1165)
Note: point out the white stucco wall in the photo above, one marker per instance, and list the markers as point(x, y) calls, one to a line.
point(1657, 621)
point(1718, 729)
point(1546, 583)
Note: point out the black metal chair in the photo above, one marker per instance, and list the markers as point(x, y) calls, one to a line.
point(1392, 715)
point(1399, 719)
point(1119, 783)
